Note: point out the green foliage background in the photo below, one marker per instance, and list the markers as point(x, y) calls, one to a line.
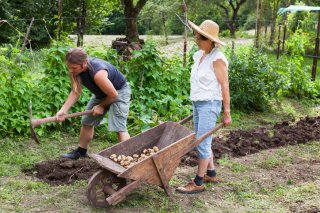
point(160, 85)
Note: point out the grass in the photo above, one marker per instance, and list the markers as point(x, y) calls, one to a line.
point(234, 166)
point(245, 188)
point(250, 183)
point(280, 110)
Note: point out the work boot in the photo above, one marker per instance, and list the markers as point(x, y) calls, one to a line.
point(191, 188)
point(74, 155)
point(208, 179)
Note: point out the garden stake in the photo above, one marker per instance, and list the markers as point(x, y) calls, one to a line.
point(36, 122)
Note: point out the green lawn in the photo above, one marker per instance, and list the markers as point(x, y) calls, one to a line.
point(244, 189)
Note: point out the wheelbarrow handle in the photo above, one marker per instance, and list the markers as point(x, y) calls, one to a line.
point(185, 120)
point(205, 135)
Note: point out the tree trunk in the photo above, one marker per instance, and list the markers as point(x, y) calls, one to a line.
point(131, 14)
point(235, 6)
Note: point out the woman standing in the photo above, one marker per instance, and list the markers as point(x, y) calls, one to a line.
point(209, 91)
point(111, 93)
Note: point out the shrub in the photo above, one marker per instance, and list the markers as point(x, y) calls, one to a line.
point(253, 80)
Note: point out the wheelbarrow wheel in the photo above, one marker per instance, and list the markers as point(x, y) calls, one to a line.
point(101, 185)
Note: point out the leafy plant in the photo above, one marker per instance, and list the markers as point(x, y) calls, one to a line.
point(253, 80)
point(160, 87)
point(298, 83)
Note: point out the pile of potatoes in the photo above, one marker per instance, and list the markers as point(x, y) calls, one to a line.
point(127, 161)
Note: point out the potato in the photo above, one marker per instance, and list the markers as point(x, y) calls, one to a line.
point(135, 156)
point(156, 149)
point(145, 151)
point(113, 156)
point(129, 158)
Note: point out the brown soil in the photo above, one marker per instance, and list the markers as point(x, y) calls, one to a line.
point(236, 143)
point(64, 171)
point(244, 142)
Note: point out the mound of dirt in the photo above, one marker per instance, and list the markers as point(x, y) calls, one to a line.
point(64, 171)
point(236, 143)
point(240, 142)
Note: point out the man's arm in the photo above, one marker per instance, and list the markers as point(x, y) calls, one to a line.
point(72, 99)
point(103, 82)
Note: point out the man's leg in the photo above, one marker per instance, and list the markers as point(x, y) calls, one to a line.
point(123, 136)
point(86, 135)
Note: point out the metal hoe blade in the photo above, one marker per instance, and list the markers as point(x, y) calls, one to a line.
point(33, 133)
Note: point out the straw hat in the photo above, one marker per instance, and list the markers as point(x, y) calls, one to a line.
point(208, 29)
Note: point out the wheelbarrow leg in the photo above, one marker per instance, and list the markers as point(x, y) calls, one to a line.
point(118, 196)
point(162, 175)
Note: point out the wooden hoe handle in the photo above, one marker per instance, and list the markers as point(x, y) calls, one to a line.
point(37, 122)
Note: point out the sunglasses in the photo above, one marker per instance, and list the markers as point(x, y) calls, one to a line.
point(199, 37)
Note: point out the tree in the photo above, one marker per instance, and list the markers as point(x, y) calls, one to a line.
point(231, 19)
point(131, 14)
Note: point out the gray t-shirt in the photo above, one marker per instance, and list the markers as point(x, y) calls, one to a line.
point(114, 75)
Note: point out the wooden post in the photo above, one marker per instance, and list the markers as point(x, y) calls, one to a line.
point(81, 22)
point(184, 8)
point(26, 37)
point(164, 17)
point(316, 52)
point(257, 25)
point(279, 41)
point(59, 19)
point(232, 48)
point(265, 28)
point(284, 37)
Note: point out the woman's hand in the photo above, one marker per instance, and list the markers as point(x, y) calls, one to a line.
point(226, 118)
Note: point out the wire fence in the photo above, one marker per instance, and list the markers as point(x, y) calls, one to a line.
point(171, 44)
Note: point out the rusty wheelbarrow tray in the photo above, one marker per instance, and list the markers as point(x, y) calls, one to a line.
point(111, 184)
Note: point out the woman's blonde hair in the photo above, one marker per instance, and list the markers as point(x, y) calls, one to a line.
point(76, 56)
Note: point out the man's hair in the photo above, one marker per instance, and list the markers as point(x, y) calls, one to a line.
point(76, 56)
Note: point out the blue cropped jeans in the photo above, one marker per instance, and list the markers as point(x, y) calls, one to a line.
point(205, 115)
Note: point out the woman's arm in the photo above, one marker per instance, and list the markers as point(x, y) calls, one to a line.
point(221, 72)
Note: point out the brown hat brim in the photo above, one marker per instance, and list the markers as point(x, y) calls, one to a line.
point(199, 30)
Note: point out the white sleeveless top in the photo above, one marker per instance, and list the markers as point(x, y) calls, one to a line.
point(204, 84)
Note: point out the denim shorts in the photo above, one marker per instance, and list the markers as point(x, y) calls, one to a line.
point(117, 111)
point(205, 115)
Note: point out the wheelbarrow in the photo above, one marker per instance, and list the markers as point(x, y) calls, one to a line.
point(113, 182)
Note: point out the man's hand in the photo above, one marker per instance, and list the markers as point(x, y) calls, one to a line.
point(98, 110)
point(60, 116)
